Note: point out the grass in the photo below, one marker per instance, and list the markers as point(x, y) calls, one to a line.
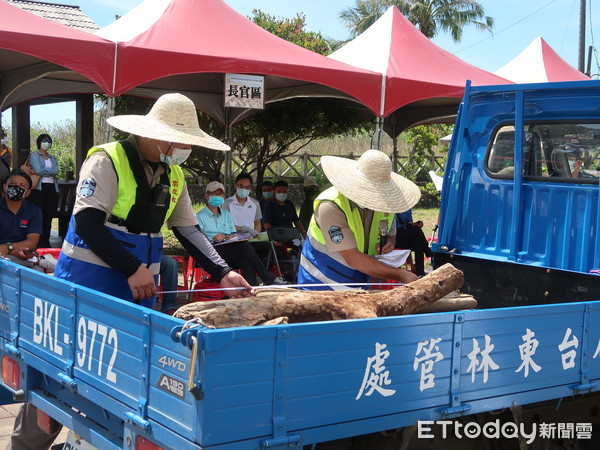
point(429, 216)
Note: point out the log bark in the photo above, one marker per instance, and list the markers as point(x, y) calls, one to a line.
point(291, 306)
point(454, 301)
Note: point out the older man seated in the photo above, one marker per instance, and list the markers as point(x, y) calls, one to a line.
point(217, 225)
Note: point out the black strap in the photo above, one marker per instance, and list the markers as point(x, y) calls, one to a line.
point(142, 194)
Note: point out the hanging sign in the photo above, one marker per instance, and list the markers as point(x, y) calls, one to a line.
point(244, 91)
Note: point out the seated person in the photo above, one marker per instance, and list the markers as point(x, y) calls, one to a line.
point(410, 235)
point(20, 220)
point(168, 273)
point(311, 191)
point(281, 212)
point(266, 196)
point(217, 225)
point(5, 157)
point(244, 209)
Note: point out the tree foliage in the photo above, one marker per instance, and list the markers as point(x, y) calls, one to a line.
point(430, 16)
point(287, 127)
point(424, 141)
point(292, 30)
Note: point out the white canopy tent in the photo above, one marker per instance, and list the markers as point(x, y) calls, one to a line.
point(539, 63)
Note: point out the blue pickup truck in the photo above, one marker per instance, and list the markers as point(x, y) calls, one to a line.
point(519, 216)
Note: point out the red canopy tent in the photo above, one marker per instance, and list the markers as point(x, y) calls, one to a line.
point(188, 45)
point(539, 63)
point(39, 57)
point(422, 80)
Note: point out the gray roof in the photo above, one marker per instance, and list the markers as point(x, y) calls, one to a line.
point(69, 15)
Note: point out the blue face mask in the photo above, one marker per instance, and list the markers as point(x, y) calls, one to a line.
point(215, 201)
point(281, 196)
point(267, 194)
point(242, 193)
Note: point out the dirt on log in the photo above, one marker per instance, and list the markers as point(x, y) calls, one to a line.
point(277, 305)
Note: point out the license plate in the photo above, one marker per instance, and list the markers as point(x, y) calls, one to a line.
point(75, 442)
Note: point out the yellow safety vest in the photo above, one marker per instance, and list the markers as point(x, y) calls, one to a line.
point(354, 219)
point(127, 186)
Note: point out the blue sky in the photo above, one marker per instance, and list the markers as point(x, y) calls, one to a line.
point(517, 23)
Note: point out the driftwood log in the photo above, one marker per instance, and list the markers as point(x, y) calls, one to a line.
point(275, 306)
point(454, 301)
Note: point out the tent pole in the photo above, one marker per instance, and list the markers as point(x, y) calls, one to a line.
point(378, 136)
point(228, 156)
point(110, 112)
point(394, 145)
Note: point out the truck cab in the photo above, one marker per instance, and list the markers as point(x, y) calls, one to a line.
point(519, 211)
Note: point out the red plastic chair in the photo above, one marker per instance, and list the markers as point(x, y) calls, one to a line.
point(49, 251)
point(408, 265)
point(184, 268)
point(180, 287)
point(194, 274)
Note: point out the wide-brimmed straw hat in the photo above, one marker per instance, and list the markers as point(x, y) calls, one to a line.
point(370, 182)
point(173, 118)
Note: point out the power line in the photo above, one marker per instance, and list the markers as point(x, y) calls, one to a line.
point(567, 27)
point(504, 29)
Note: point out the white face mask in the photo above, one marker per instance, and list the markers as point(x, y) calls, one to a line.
point(45, 146)
point(178, 157)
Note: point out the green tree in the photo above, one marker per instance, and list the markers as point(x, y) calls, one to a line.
point(292, 30)
point(430, 16)
point(285, 128)
point(424, 147)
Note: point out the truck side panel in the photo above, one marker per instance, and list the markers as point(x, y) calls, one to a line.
point(299, 383)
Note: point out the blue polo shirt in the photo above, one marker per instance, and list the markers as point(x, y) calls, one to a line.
point(213, 224)
point(16, 227)
point(403, 218)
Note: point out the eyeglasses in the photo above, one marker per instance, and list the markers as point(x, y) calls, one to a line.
point(47, 140)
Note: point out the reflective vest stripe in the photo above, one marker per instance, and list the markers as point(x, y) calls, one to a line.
point(123, 229)
point(88, 256)
point(319, 277)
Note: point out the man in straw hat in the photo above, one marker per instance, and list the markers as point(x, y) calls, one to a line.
point(127, 190)
point(349, 219)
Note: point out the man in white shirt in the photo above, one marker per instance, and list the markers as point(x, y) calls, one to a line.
point(244, 209)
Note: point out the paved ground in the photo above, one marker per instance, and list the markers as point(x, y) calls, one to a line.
point(7, 420)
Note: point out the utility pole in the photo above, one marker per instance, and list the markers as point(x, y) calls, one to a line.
point(581, 60)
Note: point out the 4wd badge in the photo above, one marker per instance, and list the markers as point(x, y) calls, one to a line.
point(171, 385)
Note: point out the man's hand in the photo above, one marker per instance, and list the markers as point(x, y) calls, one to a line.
point(234, 279)
point(219, 237)
point(23, 252)
point(388, 247)
point(142, 284)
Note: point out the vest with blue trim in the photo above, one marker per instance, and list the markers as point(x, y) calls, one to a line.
point(317, 266)
point(79, 264)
